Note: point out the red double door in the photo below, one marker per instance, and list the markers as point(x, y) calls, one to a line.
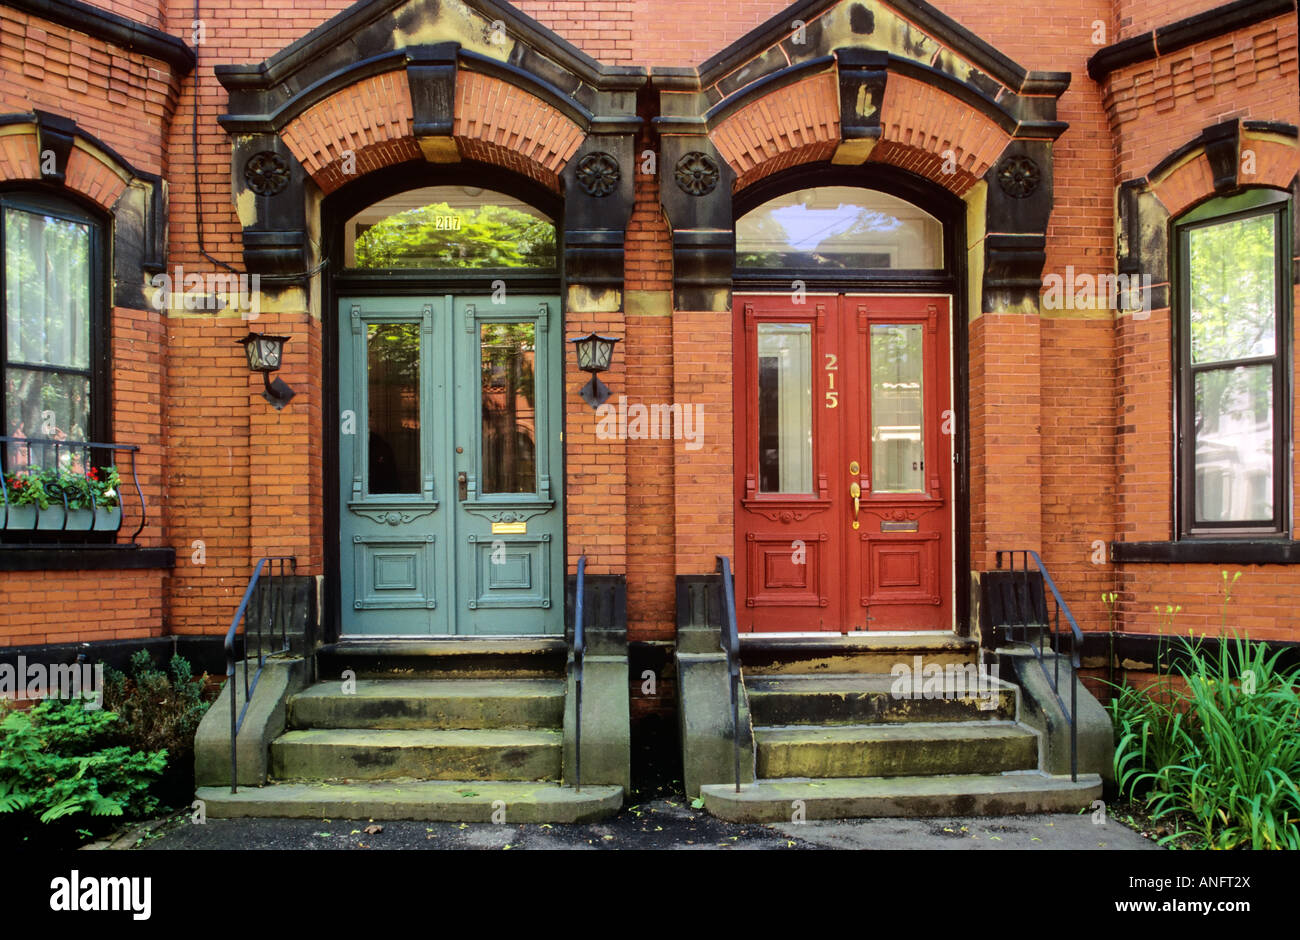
point(844, 463)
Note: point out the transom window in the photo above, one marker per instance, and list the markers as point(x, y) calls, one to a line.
point(448, 228)
point(839, 228)
point(1233, 316)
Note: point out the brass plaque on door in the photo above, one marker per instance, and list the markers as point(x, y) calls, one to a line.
point(891, 526)
point(510, 528)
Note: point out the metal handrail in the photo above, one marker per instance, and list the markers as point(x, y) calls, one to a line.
point(61, 448)
point(579, 652)
point(731, 646)
point(272, 563)
point(1076, 644)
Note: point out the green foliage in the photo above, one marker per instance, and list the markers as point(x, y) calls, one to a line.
point(97, 487)
point(54, 762)
point(159, 709)
point(1221, 758)
point(439, 236)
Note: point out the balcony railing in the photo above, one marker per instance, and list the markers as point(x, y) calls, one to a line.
point(72, 480)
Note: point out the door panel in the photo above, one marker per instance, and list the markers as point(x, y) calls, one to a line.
point(843, 469)
point(439, 401)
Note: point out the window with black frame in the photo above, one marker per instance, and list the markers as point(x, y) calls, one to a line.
point(53, 363)
point(1233, 343)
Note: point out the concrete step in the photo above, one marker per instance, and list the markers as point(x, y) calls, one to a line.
point(894, 750)
point(951, 795)
point(434, 801)
point(765, 655)
point(960, 695)
point(425, 754)
point(450, 658)
point(431, 703)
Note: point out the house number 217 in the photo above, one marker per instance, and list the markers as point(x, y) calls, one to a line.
point(832, 396)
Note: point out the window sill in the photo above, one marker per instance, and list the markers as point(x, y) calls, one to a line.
point(1256, 551)
point(80, 558)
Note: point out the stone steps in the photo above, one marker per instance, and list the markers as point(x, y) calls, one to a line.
point(431, 703)
point(433, 801)
point(855, 698)
point(775, 801)
point(423, 753)
point(894, 750)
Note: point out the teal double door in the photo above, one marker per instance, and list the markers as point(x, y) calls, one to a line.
point(450, 503)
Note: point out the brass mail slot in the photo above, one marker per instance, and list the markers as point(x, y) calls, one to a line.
point(510, 528)
point(887, 526)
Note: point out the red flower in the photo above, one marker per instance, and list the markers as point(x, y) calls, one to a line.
point(93, 474)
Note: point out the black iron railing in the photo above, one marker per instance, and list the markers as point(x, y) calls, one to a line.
point(1024, 617)
point(731, 646)
point(579, 652)
point(76, 504)
point(260, 622)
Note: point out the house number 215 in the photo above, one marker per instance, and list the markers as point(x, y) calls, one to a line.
point(832, 396)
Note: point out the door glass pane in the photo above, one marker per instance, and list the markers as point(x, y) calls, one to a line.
point(897, 409)
point(449, 227)
point(1231, 268)
point(837, 228)
point(393, 393)
point(509, 357)
point(1234, 444)
point(785, 408)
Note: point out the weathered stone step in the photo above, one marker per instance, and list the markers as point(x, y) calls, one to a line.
point(952, 795)
point(425, 754)
point(894, 750)
point(449, 658)
point(958, 695)
point(855, 653)
point(431, 703)
point(433, 801)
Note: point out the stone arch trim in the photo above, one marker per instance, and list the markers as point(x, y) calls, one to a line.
point(373, 121)
point(38, 146)
point(865, 82)
point(392, 81)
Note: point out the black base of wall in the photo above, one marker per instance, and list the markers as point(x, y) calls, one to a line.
point(205, 653)
point(1169, 651)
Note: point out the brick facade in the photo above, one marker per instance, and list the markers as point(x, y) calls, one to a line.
point(1070, 411)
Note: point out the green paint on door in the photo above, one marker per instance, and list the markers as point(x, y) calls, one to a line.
point(449, 446)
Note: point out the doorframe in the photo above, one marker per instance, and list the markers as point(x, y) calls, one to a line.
point(950, 210)
point(335, 210)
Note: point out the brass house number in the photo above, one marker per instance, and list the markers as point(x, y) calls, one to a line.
point(832, 396)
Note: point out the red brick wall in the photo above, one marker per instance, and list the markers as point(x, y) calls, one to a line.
point(1049, 468)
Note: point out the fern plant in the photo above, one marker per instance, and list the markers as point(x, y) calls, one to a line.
point(53, 764)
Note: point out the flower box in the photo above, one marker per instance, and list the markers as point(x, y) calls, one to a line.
point(62, 501)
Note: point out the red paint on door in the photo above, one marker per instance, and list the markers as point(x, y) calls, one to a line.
point(844, 455)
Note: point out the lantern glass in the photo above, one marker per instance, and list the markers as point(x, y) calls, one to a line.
point(265, 353)
point(594, 352)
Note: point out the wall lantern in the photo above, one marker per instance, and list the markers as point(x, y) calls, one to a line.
point(594, 353)
point(265, 354)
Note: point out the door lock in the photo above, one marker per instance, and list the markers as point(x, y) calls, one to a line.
point(462, 484)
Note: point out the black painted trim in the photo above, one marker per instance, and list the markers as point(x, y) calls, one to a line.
point(1163, 40)
point(119, 558)
point(1166, 651)
point(1219, 132)
point(205, 653)
point(112, 28)
point(1208, 552)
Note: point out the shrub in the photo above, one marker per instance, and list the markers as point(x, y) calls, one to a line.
point(1220, 758)
point(159, 709)
point(54, 763)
